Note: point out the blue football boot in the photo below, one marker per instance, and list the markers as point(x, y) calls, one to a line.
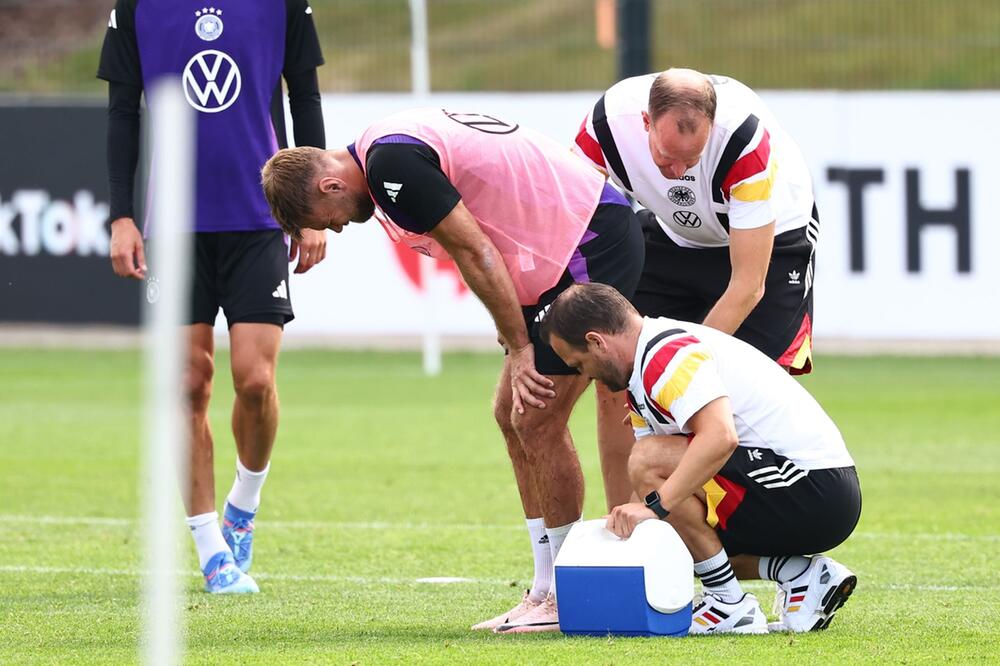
point(237, 530)
point(222, 576)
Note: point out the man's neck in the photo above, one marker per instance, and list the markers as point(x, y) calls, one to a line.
point(632, 333)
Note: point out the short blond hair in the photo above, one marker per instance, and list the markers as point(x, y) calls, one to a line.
point(287, 181)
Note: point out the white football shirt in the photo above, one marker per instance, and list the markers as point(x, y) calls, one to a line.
point(680, 367)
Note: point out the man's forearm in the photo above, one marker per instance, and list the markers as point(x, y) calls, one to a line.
point(485, 273)
point(733, 307)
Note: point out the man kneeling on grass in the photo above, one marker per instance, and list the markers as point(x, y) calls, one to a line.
point(730, 450)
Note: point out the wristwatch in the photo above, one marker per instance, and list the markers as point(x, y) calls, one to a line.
point(653, 502)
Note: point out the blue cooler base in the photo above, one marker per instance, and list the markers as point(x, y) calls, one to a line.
point(597, 601)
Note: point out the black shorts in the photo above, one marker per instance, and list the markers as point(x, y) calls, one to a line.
point(243, 272)
point(684, 283)
point(771, 507)
point(610, 253)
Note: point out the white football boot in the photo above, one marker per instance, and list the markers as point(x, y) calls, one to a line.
point(714, 616)
point(810, 600)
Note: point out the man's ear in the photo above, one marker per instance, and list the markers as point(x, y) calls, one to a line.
point(330, 185)
point(645, 120)
point(596, 339)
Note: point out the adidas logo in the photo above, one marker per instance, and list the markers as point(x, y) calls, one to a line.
point(544, 539)
point(541, 314)
point(281, 291)
point(392, 189)
point(793, 277)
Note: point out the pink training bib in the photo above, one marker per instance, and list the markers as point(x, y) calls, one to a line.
point(531, 196)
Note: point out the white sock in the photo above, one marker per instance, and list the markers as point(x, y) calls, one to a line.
point(207, 536)
point(542, 583)
point(245, 494)
point(556, 537)
point(717, 577)
point(782, 568)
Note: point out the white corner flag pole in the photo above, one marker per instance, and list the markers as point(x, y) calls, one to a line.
point(420, 79)
point(166, 424)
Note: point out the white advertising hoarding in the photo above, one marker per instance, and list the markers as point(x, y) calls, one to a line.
point(903, 181)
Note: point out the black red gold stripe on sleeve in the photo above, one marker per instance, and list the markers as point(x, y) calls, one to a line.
point(589, 146)
point(664, 390)
point(738, 142)
point(752, 164)
point(607, 140)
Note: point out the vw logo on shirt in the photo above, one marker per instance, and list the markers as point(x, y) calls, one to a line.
point(686, 218)
point(212, 81)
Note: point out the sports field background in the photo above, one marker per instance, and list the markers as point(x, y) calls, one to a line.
point(52, 46)
point(382, 476)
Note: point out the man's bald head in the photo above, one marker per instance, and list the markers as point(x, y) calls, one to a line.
point(686, 92)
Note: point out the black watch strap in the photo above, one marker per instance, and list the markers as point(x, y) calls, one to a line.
point(653, 502)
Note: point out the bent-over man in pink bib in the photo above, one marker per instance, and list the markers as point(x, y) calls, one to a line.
point(523, 219)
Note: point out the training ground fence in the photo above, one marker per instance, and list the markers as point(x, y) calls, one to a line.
point(51, 46)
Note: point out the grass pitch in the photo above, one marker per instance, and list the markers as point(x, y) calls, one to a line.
point(382, 477)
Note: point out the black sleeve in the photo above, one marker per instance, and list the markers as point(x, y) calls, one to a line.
point(306, 108)
point(302, 51)
point(406, 181)
point(120, 53)
point(123, 146)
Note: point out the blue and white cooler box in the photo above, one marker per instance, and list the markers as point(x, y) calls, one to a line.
point(640, 586)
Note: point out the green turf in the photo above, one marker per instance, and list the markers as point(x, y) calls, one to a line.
point(382, 476)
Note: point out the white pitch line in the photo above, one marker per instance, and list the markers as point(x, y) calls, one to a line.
point(470, 527)
point(387, 580)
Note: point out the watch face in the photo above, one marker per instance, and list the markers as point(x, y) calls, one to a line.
point(652, 498)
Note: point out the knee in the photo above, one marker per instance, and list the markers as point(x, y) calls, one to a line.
point(201, 369)
point(502, 409)
point(644, 470)
point(528, 424)
point(255, 388)
point(542, 433)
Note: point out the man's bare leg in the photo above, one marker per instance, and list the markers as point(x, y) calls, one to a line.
point(199, 492)
point(541, 491)
point(199, 488)
point(614, 444)
point(551, 456)
point(254, 360)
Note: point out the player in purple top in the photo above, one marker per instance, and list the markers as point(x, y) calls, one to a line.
point(231, 57)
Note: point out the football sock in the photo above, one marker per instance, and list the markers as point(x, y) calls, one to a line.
point(207, 536)
point(717, 577)
point(543, 559)
point(557, 535)
point(782, 568)
point(245, 494)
